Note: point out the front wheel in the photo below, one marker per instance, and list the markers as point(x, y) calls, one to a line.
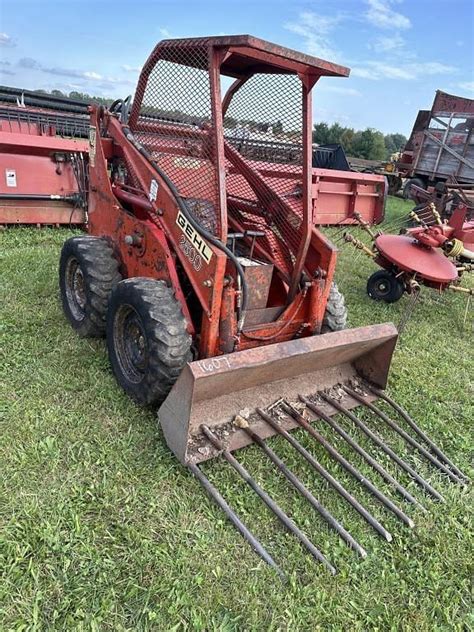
point(147, 339)
point(335, 316)
point(385, 286)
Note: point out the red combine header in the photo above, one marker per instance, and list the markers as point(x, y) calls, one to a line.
point(43, 159)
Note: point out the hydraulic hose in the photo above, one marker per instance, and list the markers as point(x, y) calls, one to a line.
point(200, 229)
point(70, 199)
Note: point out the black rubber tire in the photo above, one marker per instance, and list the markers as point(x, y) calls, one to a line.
point(385, 286)
point(147, 340)
point(88, 272)
point(407, 194)
point(335, 316)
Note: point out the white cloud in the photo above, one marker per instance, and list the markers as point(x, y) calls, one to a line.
point(467, 85)
point(315, 30)
point(377, 70)
point(164, 33)
point(381, 15)
point(388, 43)
point(350, 92)
point(129, 68)
point(29, 63)
point(6, 40)
point(92, 75)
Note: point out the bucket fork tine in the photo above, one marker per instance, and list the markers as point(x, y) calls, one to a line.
point(400, 431)
point(403, 413)
point(363, 453)
point(327, 476)
point(271, 504)
point(384, 447)
point(294, 480)
point(337, 456)
point(233, 517)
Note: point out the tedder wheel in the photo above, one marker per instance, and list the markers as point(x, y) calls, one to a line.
point(335, 316)
point(88, 272)
point(147, 339)
point(384, 286)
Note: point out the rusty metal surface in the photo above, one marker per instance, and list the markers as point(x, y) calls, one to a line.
point(213, 391)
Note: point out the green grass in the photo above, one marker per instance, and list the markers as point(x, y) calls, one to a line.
point(102, 529)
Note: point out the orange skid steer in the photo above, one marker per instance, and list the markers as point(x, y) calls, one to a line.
point(215, 291)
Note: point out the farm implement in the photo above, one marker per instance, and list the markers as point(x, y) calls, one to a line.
point(43, 149)
point(434, 253)
point(203, 268)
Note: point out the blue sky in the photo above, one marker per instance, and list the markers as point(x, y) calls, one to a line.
point(400, 51)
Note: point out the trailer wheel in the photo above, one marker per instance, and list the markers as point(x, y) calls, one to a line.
point(385, 286)
point(407, 192)
point(147, 340)
point(335, 316)
point(88, 272)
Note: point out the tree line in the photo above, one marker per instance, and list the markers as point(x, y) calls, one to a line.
point(369, 143)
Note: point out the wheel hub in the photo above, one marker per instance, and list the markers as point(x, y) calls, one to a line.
point(76, 288)
point(130, 343)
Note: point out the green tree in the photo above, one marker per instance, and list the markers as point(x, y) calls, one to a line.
point(321, 133)
point(394, 143)
point(369, 144)
point(347, 140)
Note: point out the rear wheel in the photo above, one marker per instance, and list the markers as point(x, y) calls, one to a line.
point(385, 286)
point(147, 340)
point(335, 316)
point(88, 272)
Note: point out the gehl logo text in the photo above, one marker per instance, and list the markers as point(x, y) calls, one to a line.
point(194, 237)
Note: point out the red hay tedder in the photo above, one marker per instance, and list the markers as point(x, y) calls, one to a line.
point(215, 291)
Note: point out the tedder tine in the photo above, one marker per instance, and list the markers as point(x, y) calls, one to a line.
point(396, 428)
point(337, 456)
point(234, 518)
point(271, 504)
point(403, 413)
point(360, 450)
point(326, 475)
point(295, 481)
point(384, 447)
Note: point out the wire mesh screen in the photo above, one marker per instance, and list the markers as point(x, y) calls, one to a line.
point(264, 125)
point(175, 125)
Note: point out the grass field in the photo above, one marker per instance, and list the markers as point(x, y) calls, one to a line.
point(102, 529)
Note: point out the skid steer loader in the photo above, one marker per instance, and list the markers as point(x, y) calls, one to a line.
point(215, 291)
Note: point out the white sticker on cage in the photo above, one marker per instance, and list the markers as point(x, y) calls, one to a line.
point(92, 145)
point(153, 191)
point(10, 176)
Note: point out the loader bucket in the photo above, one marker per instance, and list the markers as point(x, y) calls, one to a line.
point(213, 392)
point(225, 403)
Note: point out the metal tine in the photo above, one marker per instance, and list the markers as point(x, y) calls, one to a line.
point(383, 446)
point(279, 513)
point(413, 442)
point(360, 450)
point(295, 481)
point(326, 475)
point(234, 518)
point(413, 425)
point(337, 456)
